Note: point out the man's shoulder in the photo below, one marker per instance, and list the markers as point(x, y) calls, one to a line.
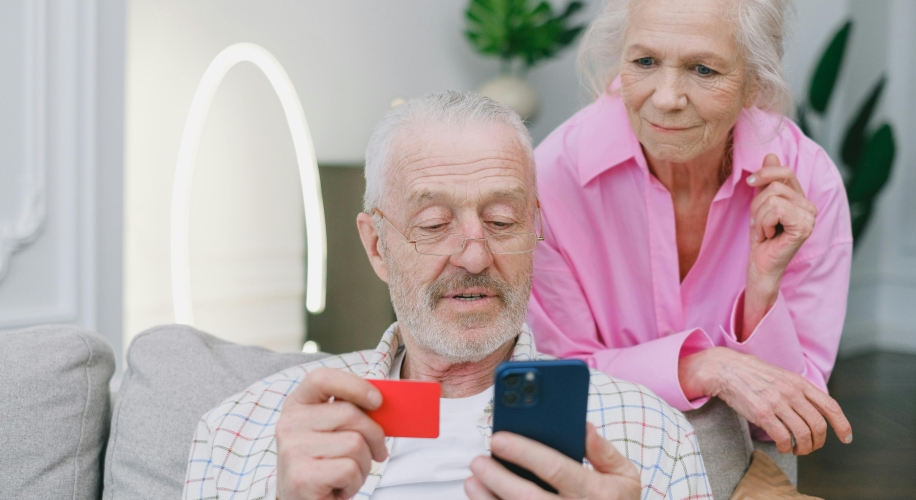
point(267, 395)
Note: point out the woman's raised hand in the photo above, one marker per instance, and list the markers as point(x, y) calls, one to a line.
point(782, 403)
point(782, 218)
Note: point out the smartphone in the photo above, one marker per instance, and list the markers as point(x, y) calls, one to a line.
point(545, 401)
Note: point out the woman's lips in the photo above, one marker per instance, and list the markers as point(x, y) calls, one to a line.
point(668, 129)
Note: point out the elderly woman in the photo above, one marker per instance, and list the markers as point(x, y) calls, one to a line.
point(696, 241)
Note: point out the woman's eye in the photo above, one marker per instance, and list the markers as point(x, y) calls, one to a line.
point(703, 70)
point(645, 61)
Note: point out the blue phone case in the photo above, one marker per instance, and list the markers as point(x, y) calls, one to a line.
point(545, 401)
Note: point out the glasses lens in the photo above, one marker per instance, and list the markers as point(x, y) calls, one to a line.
point(512, 242)
point(448, 244)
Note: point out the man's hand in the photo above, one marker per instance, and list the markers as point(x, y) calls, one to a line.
point(324, 446)
point(782, 403)
point(614, 477)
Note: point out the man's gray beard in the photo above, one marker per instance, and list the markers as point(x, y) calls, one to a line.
point(415, 309)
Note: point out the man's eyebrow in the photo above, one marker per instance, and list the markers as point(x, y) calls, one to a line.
point(517, 195)
point(422, 197)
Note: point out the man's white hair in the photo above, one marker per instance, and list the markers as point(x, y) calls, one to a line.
point(450, 108)
point(760, 30)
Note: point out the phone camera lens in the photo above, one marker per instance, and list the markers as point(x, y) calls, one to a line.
point(512, 380)
point(529, 389)
point(511, 398)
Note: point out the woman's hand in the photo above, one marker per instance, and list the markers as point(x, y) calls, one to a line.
point(782, 218)
point(782, 403)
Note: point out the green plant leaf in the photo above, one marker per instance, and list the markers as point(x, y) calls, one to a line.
point(874, 166)
point(828, 69)
point(854, 141)
point(519, 29)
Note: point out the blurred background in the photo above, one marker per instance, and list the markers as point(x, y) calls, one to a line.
point(93, 99)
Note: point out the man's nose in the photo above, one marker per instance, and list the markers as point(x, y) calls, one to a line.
point(669, 93)
point(475, 257)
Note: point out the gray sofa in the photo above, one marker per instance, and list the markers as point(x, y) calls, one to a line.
point(60, 438)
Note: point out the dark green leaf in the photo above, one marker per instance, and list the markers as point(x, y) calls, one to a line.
point(874, 167)
point(828, 69)
point(571, 9)
point(854, 141)
point(802, 120)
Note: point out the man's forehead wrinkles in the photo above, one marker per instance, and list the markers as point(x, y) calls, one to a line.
point(446, 161)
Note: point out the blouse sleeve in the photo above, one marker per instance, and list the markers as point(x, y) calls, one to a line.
point(801, 332)
point(560, 316)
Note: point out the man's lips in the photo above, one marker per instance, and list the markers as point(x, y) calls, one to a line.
point(470, 294)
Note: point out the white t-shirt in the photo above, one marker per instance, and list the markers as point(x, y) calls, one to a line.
point(436, 468)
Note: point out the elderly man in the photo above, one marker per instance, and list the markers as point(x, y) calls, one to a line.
point(451, 226)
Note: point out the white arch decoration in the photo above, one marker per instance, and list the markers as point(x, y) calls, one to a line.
point(316, 235)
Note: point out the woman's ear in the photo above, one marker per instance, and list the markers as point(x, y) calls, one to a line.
point(751, 92)
point(372, 243)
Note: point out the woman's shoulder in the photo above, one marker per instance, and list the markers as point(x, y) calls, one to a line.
point(813, 167)
point(592, 126)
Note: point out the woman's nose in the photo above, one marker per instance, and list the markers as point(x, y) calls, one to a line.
point(669, 94)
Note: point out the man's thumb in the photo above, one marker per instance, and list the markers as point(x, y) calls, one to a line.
point(604, 457)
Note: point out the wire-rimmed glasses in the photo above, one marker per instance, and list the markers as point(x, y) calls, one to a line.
point(454, 243)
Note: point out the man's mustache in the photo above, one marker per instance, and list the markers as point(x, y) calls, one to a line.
point(446, 284)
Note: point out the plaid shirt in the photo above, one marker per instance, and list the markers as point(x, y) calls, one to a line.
point(234, 452)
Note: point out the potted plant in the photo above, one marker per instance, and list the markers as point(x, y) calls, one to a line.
point(521, 33)
point(867, 154)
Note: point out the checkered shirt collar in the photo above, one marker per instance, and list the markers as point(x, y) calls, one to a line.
point(392, 345)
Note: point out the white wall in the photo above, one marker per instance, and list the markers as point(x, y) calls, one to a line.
point(61, 108)
point(882, 301)
point(348, 60)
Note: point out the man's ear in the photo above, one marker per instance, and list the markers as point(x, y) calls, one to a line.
point(372, 244)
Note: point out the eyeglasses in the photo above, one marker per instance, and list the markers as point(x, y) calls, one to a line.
point(454, 243)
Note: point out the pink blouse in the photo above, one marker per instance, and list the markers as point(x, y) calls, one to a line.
point(607, 284)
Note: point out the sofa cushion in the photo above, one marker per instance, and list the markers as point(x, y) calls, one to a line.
point(54, 401)
point(725, 442)
point(175, 374)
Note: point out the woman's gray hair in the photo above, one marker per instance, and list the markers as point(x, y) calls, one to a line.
point(760, 29)
point(449, 108)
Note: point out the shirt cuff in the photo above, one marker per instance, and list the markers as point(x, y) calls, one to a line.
point(655, 364)
point(774, 340)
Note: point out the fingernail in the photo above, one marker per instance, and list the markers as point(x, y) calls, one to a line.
point(849, 438)
point(752, 221)
point(756, 238)
point(375, 398)
point(752, 179)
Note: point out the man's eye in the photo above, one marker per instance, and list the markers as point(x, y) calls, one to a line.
point(703, 70)
point(502, 225)
point(433, 227)
point(645, 61)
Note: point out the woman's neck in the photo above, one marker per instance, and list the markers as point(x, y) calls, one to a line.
point(695, 178)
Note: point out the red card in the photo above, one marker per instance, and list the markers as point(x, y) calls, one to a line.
point(409, 408)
